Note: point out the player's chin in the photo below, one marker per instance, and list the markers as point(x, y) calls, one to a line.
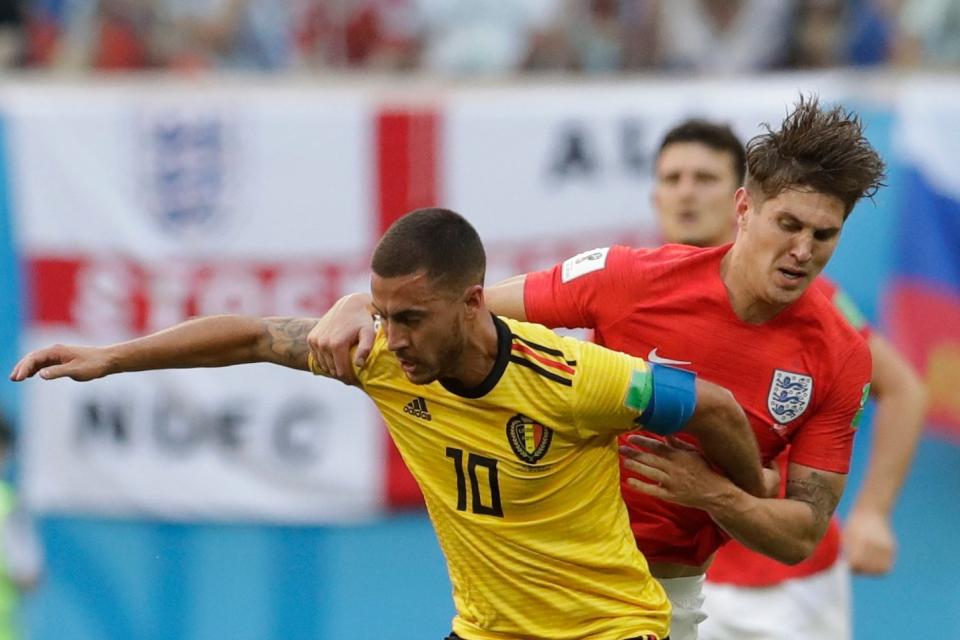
point(790, 292)
point(420, 376)
point(787, 296)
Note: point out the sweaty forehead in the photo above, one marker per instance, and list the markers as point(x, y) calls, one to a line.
point(810, 207)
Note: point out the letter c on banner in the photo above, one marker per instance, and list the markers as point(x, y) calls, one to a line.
point(297, 431)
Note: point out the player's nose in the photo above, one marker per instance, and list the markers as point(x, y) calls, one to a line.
point(802, 248)
point(397, 337)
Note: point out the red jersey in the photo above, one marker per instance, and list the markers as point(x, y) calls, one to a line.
point(734, 563)
point(801, 377)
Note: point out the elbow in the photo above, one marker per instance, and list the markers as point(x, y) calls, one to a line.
point(797, 552)
point(802, 545)
point(910, 387)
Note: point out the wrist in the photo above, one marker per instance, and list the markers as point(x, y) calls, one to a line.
point(865, 507)
point(724, 498)
point(113, 361)
point(873, 497)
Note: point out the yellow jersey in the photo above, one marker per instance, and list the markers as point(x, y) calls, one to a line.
point(521, 479)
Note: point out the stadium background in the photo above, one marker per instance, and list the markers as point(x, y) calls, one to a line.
point(115, 192)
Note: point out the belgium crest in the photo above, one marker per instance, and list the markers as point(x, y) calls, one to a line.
point(529, 440)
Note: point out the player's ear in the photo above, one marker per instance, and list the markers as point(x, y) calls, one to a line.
point(743, 204)
point(473, 298)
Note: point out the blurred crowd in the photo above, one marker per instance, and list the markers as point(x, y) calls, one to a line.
point(478, 37)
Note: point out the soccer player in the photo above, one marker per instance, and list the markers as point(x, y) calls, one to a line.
point(509, 429)
point(738, 315)
point(699, 167)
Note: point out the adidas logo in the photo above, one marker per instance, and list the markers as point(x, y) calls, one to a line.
point(418, 408)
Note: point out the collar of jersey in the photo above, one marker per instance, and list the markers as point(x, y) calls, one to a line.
point(499, 366)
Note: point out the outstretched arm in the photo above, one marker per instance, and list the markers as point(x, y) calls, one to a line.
point(900, 403)
point(213, 341)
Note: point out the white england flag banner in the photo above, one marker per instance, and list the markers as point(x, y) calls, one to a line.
point(136, 209)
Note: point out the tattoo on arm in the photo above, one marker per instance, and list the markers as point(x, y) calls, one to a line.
point(286, 340)
point(816, 492)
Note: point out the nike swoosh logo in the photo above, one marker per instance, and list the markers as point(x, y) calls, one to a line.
point(653, 357)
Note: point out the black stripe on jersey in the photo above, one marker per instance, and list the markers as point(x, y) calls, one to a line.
point(540, 347)
point(546, 374)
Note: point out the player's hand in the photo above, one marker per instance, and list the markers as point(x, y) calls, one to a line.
point(869, 542)
point(63, 361)
point(676, 471)
point(348, 323)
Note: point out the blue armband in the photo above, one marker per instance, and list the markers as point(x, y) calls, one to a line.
point(672, 402)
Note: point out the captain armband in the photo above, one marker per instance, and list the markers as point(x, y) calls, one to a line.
point(664, 396)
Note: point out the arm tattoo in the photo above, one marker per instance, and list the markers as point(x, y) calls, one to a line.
point(287, 340)
point(816, 492)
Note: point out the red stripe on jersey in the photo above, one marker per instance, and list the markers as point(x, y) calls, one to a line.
point(542, 360)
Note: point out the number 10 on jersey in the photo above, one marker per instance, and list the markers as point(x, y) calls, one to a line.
point(495, 508)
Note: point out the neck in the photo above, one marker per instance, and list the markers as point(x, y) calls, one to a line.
point(480, 353)
point(745, 300)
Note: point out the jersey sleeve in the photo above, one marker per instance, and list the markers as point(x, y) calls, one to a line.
point(611, 390)
point(826, 441)
point(581, 291)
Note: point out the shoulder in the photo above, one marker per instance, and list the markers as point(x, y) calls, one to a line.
point(843, 303)
point(825, 286)
point(681, 256)
point(826, 328)
point(538, 337)
point(380, 364)
point(636, 259)
point(565, 354)
point(667, 253)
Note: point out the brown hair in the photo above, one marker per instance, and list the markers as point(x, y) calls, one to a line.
point(439, 242)
point(715, 135)
point(825, 151)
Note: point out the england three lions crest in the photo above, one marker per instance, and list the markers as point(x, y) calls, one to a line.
point(789, 395)
point(189, 171)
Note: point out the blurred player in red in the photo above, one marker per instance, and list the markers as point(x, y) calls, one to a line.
point(739, 315)
point(699, 167)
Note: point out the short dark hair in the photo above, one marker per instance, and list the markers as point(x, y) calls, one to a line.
point(717, 136)
point(438, 241)
point(824, 150)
